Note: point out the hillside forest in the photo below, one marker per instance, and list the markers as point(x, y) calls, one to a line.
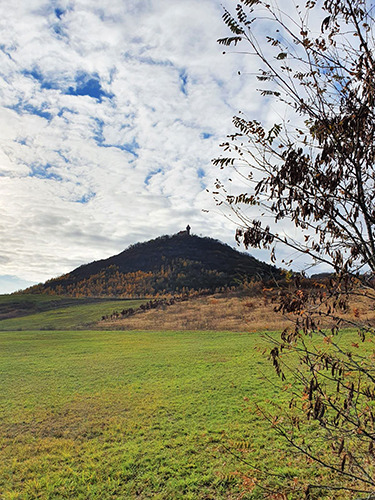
point(164, 266)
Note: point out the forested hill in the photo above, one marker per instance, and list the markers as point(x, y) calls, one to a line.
point(168, 264)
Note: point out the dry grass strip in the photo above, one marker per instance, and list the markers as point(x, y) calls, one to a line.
point(220, 312)
point(207, 313)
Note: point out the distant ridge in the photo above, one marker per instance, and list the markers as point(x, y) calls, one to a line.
point(168, 264)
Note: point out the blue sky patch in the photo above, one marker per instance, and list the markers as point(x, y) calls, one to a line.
point(22, 109)
point(32, 110)
point(85, 198)
point(35, 73)
point(206, 135)
point(57, 28)
point(98, 133)
point(65, 110)
point(43, 172)
point(201, 173)
point(152, 174)
point(59, 13)
point(88, 85)
point(39, 77)
point(183, 82)
point(6, 50)
point(150, 61)
point(130, 147)
point(61, 154)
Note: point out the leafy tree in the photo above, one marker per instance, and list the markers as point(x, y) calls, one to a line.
point(315, 169)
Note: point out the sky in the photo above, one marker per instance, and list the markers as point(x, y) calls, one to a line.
point(111, 112)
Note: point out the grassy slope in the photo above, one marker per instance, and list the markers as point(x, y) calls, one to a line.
point(104, 415)
point(43, 312)
point(18, 304)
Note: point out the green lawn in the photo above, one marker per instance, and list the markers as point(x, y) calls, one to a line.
point(100, 415)
point(123, 415)
point(58, 313)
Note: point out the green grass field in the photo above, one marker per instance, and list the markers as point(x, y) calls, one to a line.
point(99, 415)
point(43, 312)
point(123, 415)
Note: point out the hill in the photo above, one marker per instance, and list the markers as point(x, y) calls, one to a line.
point(168, 264)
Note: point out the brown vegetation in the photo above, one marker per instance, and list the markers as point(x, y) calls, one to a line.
point(225, 312)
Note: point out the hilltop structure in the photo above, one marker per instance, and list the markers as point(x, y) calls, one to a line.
point(186, 232)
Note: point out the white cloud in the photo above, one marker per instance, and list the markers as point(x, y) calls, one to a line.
point(84, 177)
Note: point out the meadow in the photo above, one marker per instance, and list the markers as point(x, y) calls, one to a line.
point(131, 415)
point(164, 414)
